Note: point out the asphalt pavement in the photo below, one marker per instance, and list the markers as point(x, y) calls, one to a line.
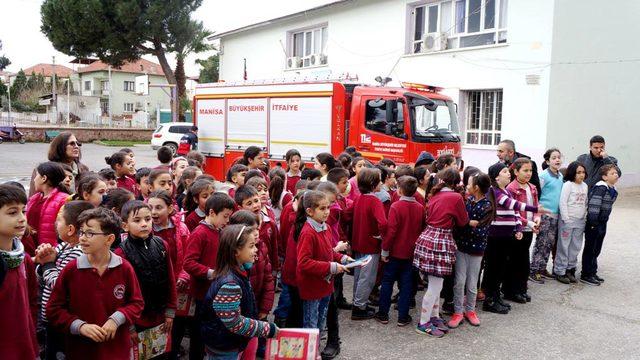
point(562, 322)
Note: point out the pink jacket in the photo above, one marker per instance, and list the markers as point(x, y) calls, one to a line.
point(520, 194)
point(48, 214)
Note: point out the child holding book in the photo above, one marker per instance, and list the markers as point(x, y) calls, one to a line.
point(97, 298)
point(230, 317)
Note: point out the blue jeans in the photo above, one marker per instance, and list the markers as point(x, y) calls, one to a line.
point(284, 303)
point(401, 271)
point(314, 313)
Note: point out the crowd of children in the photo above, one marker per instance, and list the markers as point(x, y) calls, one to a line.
point(92, 259)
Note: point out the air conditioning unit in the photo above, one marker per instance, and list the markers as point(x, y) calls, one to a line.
point(317, 59)
point(434, 42)
point(294, 62)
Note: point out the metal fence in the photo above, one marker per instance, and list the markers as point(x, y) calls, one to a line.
point(50, 119)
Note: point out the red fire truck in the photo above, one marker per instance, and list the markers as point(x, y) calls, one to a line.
point(314, 117)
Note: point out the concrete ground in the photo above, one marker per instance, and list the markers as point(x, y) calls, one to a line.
point(563, 321)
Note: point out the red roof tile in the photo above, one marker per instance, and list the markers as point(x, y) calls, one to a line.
point(139, 67)
point(47, 70)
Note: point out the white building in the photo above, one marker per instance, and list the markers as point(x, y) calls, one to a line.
point(544, 73)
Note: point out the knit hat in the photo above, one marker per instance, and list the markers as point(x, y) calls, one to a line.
point(425, 158)
point(494, 170)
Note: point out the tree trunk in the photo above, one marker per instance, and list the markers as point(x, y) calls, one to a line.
point(180, 83)
point(166, 68)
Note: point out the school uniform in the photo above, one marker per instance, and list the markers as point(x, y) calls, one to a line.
point(128, 183)
point(18, 306)
point(199, 263)
point(291, 181)
point(435, 251)
point(270, 235)
point(369, 224)
point(289, 303)
point(194, 218)
point(176, 234)
point(82, 296)
point(407, 219)
point(317, 262)
point(262, 280)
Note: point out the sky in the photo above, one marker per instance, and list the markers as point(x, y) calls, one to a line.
point(25, 45)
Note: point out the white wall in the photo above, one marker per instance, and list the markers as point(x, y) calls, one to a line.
point(603, 91)
point(368, 37)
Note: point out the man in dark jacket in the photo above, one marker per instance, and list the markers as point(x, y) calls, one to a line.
point(595, 159)
point(507, 155)
point(189, 141)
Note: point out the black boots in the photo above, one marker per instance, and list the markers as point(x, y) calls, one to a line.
point(331, 350)
point(495, 304)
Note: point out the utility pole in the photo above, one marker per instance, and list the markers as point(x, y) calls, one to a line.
point(9, 93)
point(68, 97)
point(110, 96)
point(53, 88)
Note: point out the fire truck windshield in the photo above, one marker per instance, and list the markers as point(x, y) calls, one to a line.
point(434, 126)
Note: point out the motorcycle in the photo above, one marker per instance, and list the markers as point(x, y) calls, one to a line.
point(11, 133)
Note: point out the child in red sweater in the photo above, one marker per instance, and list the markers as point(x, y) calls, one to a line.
point(195, 202)
point(18, 286)
point(160, 179)
point(435, 252)
point(317, 261)
point(97, 298)
point(294, 161)
point(369, 224)
point(124, 167)
point(407, 219)
point(235, 179)
point(200, 259)
point(269, 233)
point(150, 258)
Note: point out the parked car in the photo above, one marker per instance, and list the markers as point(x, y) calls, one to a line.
point(169, 134)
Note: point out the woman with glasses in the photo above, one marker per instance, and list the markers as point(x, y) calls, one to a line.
point(64, 149)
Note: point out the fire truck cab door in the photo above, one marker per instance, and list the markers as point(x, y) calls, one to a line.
point(383, 127)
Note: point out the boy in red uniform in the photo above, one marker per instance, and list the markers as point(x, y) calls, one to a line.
point(407, 219)
point(18, 286)
point(200, 259)
point(97, 299)
point(369, 224)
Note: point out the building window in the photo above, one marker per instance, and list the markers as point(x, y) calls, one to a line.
point(128, 107)
point(129, 86)
point(104, 106)
point(307, 47)
point(104, 85)
point(484, 117)
point(454, 24)
point(87, 85)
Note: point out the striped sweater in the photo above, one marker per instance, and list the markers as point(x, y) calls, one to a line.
point(49, 272)
point(507, 220)
point(601, 199)
point(226, 305)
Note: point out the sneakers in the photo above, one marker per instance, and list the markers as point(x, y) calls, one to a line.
point(517, 298)
point(381, 318)
point(405, 321)
point(563, 279)
point(472, 318)
point(545, 274)
point(455, 320)
point(571, 274)
point(501, 302)
point(600, 280)
point(527, 297)
point(536, 278)
point(590, 280)
point(429, 329)
point(362, 314)
point(440, 324)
